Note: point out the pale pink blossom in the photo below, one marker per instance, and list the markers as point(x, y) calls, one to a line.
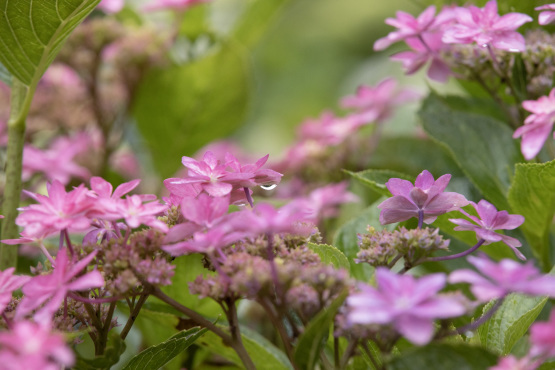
point(52, 289)
point(426, 198)
point(548, 16)
point(496, 280)
point(32, 346)
point(177, 5)
point(330, 130)
point(542, 337)
point(111, 6)
point(537, 126)
point(488, 221)
point(410, 305)
point(486, 27)
point(136, 213)
point(324, 202)
point(204, 242)
point(8, 283)
point(265, 219)
point(512, 363)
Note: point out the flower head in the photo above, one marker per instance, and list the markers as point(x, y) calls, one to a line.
point(537, 126)
point(496, 280)
point(408, 304)
point(486, 27)
point(426, 196)
point(488, 221)
point(111, 6)
point(548, 16)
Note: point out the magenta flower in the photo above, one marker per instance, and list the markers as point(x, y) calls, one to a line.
point(542, 337)
point(106, 205)
point(254, 174)
point(111, 6)
point(410, 27)
point(496, 280)
point(377, 103)
point(512, 363)
point(52, 289)
point(489, 220)
point(204, 242)
point(537, 126)
point(265, 219)
point(205, 210)
point(8, 283)
point(57, 211)
point(408, 304)
point(425, 198)
point(32, 346)
point(136, 213)
point(548, 16)
point(486, 27)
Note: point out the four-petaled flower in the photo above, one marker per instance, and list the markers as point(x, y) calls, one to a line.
point(488, 221)
point(408, 304)
point(496, 280)
point(425, 197)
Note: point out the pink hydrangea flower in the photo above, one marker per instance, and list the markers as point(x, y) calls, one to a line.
point(256, 175)
point(426, 197)
point(512, 363)
point(52, 289)
point(488, 221)
point(8, 283)
point(32, 346)
point(136, 213)
point(486, 27)
point(265, 219)
point(111, 6)
point(496, 280)
point(177, 5)
point(408, 304)
point(323, 202)
point(58, 211)
point(548, 16)
point(542, 337)
point(204, 242)
point(377, 103)
point(537, 126)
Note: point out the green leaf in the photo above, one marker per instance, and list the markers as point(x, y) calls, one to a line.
point(256, 19)
point(262, 352)
point(330, 255)
point(157, 356)
point(511, 321)
point(33, 32)
point(520, 77)
point(532, 196)
point(376, 179)
point(311, 342)
point(346, 240)
point(482, 146)
point(201, 101)
point(448, 356)
point(114, 349)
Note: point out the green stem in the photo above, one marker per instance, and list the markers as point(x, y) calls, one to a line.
point(21, 97)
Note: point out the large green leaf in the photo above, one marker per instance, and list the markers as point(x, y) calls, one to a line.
point(157, 356)
point(330, 255)
point(263, 353)
point(446, 356)
point(482, 146)
point(33, 32)
point(376, 179)
point(532, 196)
point(180, 109)
point(511, 321)
point(311, 342)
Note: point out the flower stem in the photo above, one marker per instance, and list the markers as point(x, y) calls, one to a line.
point(133, 316)
point(21, 97)
point(474, 325)
point(458, 255)
point(420, 218)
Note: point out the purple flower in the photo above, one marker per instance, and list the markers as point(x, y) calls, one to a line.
point(54, 287)
point(408, 304)
point(425, 196)
point(32, 346)
point(496, 280)
point(542, 337)
point(488, 221)
point(485, 27)
point(8, 283)
point(548, 16)
point(537, 126)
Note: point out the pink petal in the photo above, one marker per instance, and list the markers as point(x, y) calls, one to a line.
point(416, 330)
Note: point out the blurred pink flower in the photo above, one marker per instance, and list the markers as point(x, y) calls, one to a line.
point(111, 6)
point(408, 304)
point(512, 363)
point(265, 219)
point(173, 4)
point(486, 27)
point(426, 197)
point(204, 242)
point(537, 126)
point(32, 346)
point(8, 283)
point(256, 175)
point(377, 103)
point(489, 220)
point(323, 202)
point(136, 213)
point(51, 289)
point(496, 280)
point(542, 337)
point(548, 16)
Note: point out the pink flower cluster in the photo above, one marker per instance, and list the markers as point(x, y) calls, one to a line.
point(428, 35)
